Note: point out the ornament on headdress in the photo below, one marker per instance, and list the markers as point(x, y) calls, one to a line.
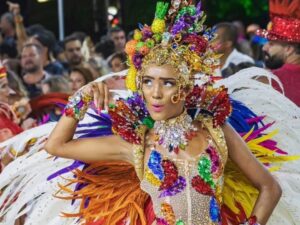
point(177, 37)
point(2, 72)
point(285, 21)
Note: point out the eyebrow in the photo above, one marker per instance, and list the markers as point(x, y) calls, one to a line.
point(161, 78)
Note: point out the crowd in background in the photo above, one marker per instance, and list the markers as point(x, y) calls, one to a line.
point(42, 71)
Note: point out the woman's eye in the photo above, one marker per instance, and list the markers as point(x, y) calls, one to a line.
point(169, 83)
point(147, 82)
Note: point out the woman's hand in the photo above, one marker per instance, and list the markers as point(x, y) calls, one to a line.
point(99, 92)
point(14, 8)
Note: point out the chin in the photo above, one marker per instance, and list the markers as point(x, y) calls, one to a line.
point(157, 116)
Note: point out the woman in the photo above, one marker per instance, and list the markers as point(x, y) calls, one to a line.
point(180, 161)
point(80, 76)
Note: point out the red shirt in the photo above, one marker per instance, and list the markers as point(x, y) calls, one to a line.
point(289, 75)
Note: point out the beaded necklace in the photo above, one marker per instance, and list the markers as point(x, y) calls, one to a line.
point(173, 134)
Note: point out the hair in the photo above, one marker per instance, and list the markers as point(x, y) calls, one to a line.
point(29, 45)
point(46, 38)
point(230, 34)
point(10, 18)
point(121, 55)
point(106, 47)
point(16, 84)
point(9, 50)
point(86, 73)
point(58, 84)
point(80, 35)
point(297, 47)
point(70, 39)
point(116, 29)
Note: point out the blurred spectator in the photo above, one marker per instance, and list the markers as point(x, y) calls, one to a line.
point(7, 28)
point(118, 36)
point(226, 43)
point(117, 62)
point(32, 65)
point(105, 48)
point(243, 45)
point(73, 54)
point(46, 40)
point(256, 43)
point(57, 84)
point(7, 52)
point(80, 76)
point(17, 87)
point(282, 52)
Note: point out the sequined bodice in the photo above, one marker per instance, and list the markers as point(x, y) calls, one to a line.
point(186, 192)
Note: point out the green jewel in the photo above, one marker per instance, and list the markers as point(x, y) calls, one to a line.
point(179, 222)
point(149, 122)
point(204, 169)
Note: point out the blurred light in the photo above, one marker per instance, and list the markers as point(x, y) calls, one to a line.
point(112, 10)
point(110, 17)
point(41, 1)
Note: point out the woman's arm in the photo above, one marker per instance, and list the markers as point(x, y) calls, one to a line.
point(14, 8)
point(269, 189)
point(61, 143)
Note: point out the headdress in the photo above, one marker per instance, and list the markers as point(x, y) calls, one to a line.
point(285, 21)
point(178, 37)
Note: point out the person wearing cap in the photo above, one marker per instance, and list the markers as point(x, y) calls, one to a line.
point(282, 51)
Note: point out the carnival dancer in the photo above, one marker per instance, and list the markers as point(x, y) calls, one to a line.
point(179, 160)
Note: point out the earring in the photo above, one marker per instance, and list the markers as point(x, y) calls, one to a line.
point(175, 99)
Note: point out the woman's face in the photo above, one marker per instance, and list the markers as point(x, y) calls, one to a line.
point(77, 80)
point(158, 87)
point(117, 65)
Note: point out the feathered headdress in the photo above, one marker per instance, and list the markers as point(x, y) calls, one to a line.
point(178, 37)
point(285, 21)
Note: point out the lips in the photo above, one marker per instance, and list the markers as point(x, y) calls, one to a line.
point(157, 108)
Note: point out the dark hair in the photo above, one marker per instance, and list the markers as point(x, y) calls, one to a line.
point(34, 29)
point(297, 47)
point(70, 39)
point(80, 35)
point(115, 30)
point(230, 34)
point(29, 45)
point(106, 47)
point(86, 73)
point(8, 49)
point(10, 18)
point(121, 55)
point(46, 38)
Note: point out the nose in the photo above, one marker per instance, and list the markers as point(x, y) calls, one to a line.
point(157, 92)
